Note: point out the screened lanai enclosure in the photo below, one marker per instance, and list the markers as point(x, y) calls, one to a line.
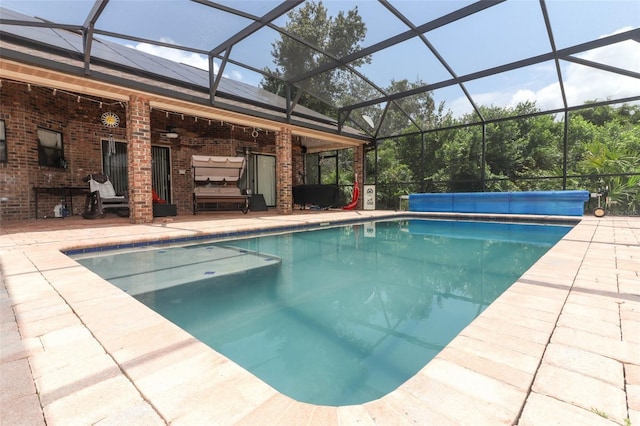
point(446, 96)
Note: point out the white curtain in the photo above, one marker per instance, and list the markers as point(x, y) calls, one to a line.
point(266, 178)
point(50, 139)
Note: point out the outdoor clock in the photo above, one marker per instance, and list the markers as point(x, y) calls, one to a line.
point(110, 119)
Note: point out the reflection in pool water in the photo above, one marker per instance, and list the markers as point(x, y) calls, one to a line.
point(347, 314)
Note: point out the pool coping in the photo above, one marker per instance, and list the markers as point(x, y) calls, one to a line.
point(274, 229)
point(145, 369)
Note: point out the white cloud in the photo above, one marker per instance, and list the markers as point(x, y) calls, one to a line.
point(522, 95)
point(180, 56)
point(581, 83)
point(585, 83)
point(235, 75)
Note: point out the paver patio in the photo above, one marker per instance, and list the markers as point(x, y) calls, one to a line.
point(561, 346)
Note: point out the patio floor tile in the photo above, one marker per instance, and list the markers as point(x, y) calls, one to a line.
point(562, 345)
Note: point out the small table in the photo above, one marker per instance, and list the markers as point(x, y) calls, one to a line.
point(65, 193)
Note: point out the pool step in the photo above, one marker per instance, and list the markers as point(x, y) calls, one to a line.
point(151, 270)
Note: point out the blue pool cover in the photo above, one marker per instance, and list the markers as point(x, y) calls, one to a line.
point(556, 203)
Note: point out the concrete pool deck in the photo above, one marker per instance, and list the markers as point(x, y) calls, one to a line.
point(561, 346)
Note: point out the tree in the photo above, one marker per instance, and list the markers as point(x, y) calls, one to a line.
point(612, 156)
point(393, 175)
point(405, 117)
point(338, 36)
point(459, 157)
point(517, 151)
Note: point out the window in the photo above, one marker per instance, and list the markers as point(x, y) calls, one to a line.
point(114, 164)
point(3, 143)
point(50, 152)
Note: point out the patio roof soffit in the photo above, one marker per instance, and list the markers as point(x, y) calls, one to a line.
point(82, 85)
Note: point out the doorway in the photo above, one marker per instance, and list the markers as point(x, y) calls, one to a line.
point(262, 177)
point(115, 165)
point(161, 171)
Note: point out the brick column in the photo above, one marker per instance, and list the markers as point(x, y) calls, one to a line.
point(284, 172)
point(139, 159)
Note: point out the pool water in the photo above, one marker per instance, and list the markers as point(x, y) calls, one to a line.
point(340, 315)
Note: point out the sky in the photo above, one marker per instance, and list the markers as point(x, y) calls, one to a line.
point(502, 34)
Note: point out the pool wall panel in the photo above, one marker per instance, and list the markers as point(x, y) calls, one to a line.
point(556, 203)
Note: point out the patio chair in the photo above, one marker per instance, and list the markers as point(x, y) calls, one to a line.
point(102, 196)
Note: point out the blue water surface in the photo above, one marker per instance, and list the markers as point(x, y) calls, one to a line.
point(349, 313)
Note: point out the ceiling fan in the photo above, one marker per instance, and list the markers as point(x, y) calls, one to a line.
point(173, 132)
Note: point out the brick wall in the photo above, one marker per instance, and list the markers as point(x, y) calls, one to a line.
point(139, 159)
point(284, 171)
point(24, 111)
point(202, 137)
point(77, 118)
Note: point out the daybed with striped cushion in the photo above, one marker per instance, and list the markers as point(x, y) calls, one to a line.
point(216, 183)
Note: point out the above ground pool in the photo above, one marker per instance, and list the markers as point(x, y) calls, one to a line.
point(333, 316)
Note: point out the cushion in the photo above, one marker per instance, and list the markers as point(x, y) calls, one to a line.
point(106, 189)
point(209, 191)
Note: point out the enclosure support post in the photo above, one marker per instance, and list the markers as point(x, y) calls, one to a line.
point(484, 157)
point(422, 161)
point(565, 149)
point(358, 171)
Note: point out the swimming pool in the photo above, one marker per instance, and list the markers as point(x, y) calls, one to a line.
point(340, 315)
